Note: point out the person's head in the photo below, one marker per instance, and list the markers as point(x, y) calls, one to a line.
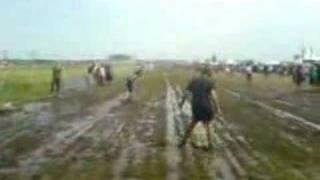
point(205, 70)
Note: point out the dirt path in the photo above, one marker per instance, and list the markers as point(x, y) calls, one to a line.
point(45, 130)
point(61, 132)
point(137, 140)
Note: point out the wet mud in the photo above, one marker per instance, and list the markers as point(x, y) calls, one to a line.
point(80, 135)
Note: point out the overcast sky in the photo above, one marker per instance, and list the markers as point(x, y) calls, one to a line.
point(268, 29)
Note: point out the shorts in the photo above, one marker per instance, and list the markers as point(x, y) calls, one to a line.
point(202, 113)
point(130, 88)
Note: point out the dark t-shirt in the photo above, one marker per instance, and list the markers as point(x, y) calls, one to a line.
point(130, 83)
point(200, 88)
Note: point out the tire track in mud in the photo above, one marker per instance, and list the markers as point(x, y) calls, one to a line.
point(34, 114)
point(18, 126)
point(224, 163)
point(135, 153)
point(288, 130)
point(277, 112)
point(59, 145)
point(131, 156)
point(133, 148)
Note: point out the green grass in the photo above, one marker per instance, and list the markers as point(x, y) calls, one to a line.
point(27, 83)
point(151, 85)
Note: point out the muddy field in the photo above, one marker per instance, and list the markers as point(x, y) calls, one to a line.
point(271, 130)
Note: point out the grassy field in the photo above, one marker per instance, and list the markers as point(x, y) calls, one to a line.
point(28, 83)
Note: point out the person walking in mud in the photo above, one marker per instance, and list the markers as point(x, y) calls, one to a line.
point(298, 75)
point(130, 83)
point(109, 75)
point(139, 71)
point(204, 104)
point(266, 70)
point(56, 78)
point(249, 72)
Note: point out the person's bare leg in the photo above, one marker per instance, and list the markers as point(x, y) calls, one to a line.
point(188, 133)
point(130, 96)
point(207, 127)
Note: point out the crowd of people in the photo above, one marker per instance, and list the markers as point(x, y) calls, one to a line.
point(101, 73)
point(300, 73)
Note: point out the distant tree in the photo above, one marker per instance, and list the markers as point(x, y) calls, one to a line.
point(246, 62)
point(120, 57)
point(250, 62)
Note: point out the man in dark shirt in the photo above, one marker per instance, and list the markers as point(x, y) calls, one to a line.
point(204, 104)
point(56, 78)
point(130, 86)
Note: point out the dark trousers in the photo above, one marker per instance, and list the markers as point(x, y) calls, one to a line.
point(55, 85)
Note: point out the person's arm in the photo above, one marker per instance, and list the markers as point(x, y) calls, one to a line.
point(184, 97)
point(215, 101)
